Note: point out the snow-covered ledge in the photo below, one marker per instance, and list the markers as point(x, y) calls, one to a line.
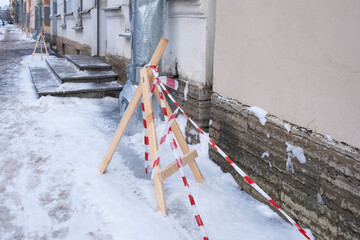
point(113, 11)
point(86, 12)
point(192, 8)
point(70, 14)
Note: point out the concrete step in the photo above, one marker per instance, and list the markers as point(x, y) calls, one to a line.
point(84, 62)
point(46, 83)
point(68, 72)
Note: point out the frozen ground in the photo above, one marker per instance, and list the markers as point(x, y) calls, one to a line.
point(50, 187)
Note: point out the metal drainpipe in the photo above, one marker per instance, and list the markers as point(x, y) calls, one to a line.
point(97, 27)
point(81, 8)
point(147, 22)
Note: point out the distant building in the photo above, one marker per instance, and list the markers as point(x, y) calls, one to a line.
point(5, 14)
point(29, 15)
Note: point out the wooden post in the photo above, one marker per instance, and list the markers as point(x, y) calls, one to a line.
point(37, 42)
point(151, 129)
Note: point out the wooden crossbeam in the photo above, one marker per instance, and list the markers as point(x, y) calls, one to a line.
point(181, 140)
point(173, 167)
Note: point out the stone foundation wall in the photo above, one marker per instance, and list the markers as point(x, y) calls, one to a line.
point(322, 194)
point(64, 46)
point(119, 66)
point(196, 104)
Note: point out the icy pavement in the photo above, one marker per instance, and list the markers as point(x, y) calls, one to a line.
point(50, 187)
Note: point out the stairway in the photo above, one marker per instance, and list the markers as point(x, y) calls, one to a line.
point(75, 76)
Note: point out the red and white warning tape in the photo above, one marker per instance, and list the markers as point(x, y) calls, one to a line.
point(162, 102)
point(169, 82)
point(175, 151)
point(166, 131)
point(241, 172)
point(186, 185)
point(146, 138)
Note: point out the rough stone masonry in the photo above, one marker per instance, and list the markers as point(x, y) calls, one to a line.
point(322, 194)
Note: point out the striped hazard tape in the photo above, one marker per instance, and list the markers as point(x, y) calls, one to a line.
point(175, 151)
point(169, 82)
point(241, 172)
point(199, 221)
point(164, 135)
point(146, 138)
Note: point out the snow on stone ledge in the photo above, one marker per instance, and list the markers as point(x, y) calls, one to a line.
point(294, 151)
point(259, 113)
point(186, 90)
point(265, 154)
point(287, 127)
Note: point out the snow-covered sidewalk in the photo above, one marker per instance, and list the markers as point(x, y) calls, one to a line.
point(50, 187)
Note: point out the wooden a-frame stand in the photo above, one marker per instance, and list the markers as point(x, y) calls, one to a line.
point(143, 90)
point(42, 43)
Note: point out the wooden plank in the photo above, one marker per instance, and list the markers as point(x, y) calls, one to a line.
point(37, 42)
point(149, 113)
point(160, 195)
point(151, 129)
point(146, 77)
point(47, 54)
point(181, 141)
point(173, 167)
point(159, 51)
point(120, 130)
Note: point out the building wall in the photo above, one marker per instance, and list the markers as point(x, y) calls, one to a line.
point(113, 21)
point(189, 26)
point(32, 15)
point(190, 29)
point(86, 36)
point(298, 60)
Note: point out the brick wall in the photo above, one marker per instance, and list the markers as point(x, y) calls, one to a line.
point(322, 194)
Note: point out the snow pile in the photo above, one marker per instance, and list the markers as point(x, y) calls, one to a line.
point(294, 151)
point(265, 154)
point(287, 127)
point(186, 90)
point(319, 198)
point(259, 113)
point(327, 137)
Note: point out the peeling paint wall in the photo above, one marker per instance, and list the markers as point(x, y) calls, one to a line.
point(189, 26)
point(299, 60)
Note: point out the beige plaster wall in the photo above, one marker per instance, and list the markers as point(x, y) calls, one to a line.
point(299, 60)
